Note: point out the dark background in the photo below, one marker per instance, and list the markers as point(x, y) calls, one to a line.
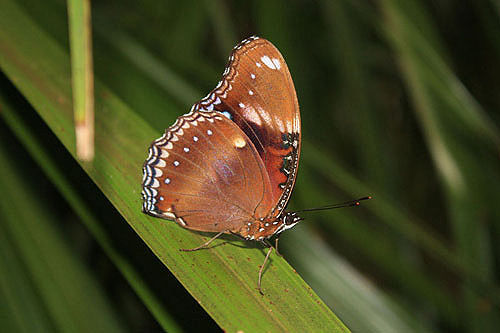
point(398, 100)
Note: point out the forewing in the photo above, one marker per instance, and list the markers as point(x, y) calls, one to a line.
point(205, 174)
point(257, 93)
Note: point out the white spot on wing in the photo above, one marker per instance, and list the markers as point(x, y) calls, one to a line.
point(253, 116)
point(241, 105)
point(267, 61)
point(176, 163)
point(252, 76)
point(279, 122)
point(158, 172)
point(258, 64)
point(209, 132)
point(276, 63)
point(180, 221)
point(169, 215)
point(264, 115)
point(239, 142)
point(250, 92)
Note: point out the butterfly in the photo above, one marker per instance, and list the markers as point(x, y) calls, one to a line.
point(229, 165)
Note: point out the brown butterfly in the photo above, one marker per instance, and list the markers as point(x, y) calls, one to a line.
point(229, 165)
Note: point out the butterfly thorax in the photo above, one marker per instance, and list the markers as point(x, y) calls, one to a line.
point(259, 229)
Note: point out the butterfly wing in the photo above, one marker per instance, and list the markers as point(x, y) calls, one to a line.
point(205, 174)
point(257, 93)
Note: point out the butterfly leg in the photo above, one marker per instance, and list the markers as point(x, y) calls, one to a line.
point(267, 243)
point(207, 243)
point(262, 268)
point(276, 246)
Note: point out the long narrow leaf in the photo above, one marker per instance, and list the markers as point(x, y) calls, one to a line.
point(80, 33)
point(56, 175)
point(69, 293)
point(222, 279)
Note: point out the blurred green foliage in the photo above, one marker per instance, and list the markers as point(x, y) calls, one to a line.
point(398, 100)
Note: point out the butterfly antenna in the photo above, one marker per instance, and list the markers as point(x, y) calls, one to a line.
point(352, 203)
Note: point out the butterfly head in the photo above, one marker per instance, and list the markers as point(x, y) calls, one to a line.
point(288, 220)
